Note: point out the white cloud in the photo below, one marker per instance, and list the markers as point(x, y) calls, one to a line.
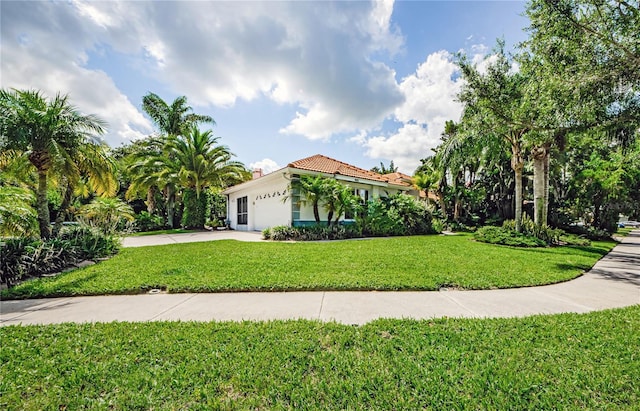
point(33, 57)
point(405, 147)
point(316, 56)
point(430, 100)
point(267, 165)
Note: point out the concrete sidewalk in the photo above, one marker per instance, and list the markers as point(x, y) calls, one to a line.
point(613, 282)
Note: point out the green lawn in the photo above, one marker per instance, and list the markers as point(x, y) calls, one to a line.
point(568, 361)
point(623, 232)
point(403, 263)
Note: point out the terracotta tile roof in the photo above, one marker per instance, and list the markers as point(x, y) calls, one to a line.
point(324, 164)
point(398, 178)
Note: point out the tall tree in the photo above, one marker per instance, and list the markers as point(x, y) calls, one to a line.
point(203, 163)
point(155, 168)
point(174, 119)
point(159, 171)
point(53, 133)
point(585, 58)
point(495, 100)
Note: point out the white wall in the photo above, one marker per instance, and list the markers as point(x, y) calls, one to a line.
point(265, 204)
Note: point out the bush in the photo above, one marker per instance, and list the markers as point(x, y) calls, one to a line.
point(529, 228)
point(196, 209)
point(592, 233)
point(23, 258)
point(572, 239)
point(12, 266)
point(437, 225)
point(311, 233)
point(27, 258)
point(110, 215)
point(531, 235)
point(148, 222)
point(505, 236)
point(398, 214)
point(90, 242)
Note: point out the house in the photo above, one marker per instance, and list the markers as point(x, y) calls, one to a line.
point(265, 201)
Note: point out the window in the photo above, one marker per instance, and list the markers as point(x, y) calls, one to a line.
point(243, 210)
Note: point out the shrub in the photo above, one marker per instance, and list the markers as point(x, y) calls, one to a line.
point(398, 214)
point(90, 242)
point(437, 225)
point(311, 233)
point(196, 208)
point(148, 222)
point(22, 258)
point(110, 215)
point(12, 266)
point(529, 228)
point(572, 239)
point(592, 233)
point(505, 236)
point(544, 235)
point(27, 258)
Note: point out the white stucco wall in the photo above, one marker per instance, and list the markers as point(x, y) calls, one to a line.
point(266, 207)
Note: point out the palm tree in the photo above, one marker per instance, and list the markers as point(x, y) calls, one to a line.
point(158, 171)
point(154, 168)
point(339, 200)
point(107, 214)
point(174, 119)
point(312, 191)
point(17, 216)
point(384, 169)
point(495, 103)
point(203, 164)
point(431, 177)
point(54, 135)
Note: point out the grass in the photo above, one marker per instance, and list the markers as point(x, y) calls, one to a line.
point(402, 263)
point(167, 231)
point(623, 232)
point(568, 361)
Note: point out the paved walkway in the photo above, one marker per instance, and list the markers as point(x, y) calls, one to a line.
point(161, 239)
point(613, 282)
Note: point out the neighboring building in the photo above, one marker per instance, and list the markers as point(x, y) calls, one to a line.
point(266, 201)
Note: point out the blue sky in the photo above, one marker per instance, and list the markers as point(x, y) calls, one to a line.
point(362, 82)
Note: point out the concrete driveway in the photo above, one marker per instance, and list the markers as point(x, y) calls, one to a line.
point(161, 239)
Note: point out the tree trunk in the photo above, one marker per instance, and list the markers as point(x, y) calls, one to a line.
point(171, 206)
point(316, 212)
point(541, 156)
point(547, 163)
point(43, 206)
point(517, 164)
point(64, 207)
point(151, 200)
point(538, 154)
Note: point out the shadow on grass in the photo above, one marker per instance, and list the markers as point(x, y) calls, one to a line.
point(573, 267)
point(565, 249)
point(36, 288)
